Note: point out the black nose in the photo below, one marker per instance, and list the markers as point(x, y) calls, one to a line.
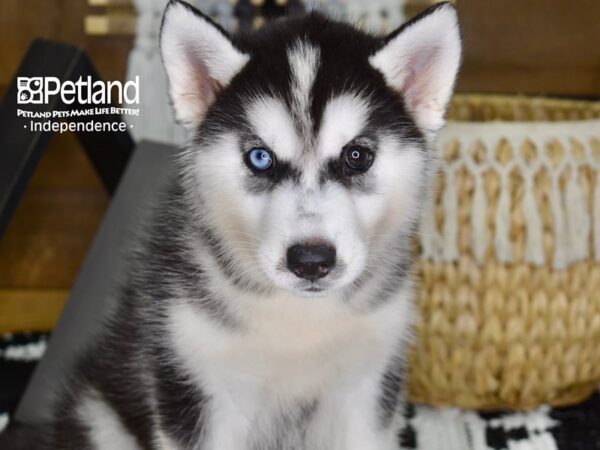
point(311, 261)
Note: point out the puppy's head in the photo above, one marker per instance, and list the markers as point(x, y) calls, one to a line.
point(309, 157)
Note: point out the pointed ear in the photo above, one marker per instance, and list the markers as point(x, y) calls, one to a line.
point(199, 58)
point(420, 60)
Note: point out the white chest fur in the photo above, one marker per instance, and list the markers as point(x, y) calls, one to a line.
point(287, 351)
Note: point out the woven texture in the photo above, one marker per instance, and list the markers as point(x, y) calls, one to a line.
point(510, 272)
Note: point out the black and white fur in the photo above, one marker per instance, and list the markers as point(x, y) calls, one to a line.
point(216, 345)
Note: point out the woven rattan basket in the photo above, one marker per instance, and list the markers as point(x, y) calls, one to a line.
point(510, 272)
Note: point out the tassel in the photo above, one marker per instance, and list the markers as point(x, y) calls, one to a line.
point(450, 228)
point(479, 219)
point(578, 218)
point(534, 242)
point(502, 238)
point(559, 225)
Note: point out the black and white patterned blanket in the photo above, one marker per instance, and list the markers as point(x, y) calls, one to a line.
point(573, 428)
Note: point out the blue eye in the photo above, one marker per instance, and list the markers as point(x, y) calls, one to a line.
point(259, 159)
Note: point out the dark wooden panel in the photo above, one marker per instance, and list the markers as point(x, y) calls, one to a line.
point(30, 309)
point(534, 47)
point(64, 165)
point(62, 20)
point(48, 237)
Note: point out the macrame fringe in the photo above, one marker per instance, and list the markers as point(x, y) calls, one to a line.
point(478, 221)
point(578, 218)
point(450, 230)
point(534, 243)
point(502, 239)
point(574, 210)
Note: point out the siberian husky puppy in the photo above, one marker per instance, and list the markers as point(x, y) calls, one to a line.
point(272, 301)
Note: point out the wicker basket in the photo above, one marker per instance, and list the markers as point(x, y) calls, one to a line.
point(510, 271)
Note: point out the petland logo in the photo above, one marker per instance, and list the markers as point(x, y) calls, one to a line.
point(41, 90)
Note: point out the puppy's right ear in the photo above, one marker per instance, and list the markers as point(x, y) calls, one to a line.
point(199, 58)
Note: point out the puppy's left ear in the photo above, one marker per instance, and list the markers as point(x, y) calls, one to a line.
point(200, 60)
point(420, 60)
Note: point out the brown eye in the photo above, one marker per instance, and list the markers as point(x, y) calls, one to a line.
point(357, 158)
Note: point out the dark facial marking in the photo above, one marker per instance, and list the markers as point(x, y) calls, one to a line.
point(334, 170)
point(281, 171)
point(344, 68)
